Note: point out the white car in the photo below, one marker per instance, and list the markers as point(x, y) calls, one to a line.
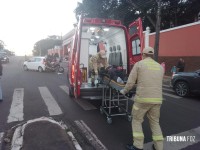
point(35, 63)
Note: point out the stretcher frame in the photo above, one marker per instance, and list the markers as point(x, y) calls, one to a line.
point(112, 99)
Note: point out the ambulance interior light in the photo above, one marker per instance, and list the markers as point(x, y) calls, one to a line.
point(92, 28)
point(103, 20)
point(106, 29)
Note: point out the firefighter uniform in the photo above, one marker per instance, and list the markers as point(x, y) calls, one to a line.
point(96, 62)
point(148, 99)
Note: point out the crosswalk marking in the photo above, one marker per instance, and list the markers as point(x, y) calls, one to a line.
point(171, 95)
point(166, 85)
point(16, 110)
point(17, 114)
point(83, 103)
point(64, 88)
point(50, 102)
point(166, 89)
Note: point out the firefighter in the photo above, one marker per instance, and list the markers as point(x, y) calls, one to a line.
point(96, 62)
point(148, 99)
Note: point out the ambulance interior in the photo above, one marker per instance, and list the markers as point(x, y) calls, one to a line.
point(96, 38)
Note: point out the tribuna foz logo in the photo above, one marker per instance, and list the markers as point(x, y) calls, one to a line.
point(180, 138)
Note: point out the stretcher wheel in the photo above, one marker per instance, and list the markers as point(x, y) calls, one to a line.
point(101, 110)
point(129, 117)
point(120, 110)
point(109, 120)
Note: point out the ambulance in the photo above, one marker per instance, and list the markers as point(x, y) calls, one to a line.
point(122, 45)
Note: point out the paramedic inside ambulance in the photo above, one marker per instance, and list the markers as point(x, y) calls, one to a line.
point(95, 63)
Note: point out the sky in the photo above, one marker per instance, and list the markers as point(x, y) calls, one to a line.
point(24, 22)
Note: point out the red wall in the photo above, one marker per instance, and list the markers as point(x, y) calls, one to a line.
point(184, 41)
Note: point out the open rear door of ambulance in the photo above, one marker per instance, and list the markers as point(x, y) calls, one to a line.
point(136, 42)
point(77, 71)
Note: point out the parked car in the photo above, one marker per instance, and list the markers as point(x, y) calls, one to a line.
point(186, 83)
point(35, 63)
point(4, 58)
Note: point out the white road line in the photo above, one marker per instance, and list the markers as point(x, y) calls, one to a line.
point(81, 102)
point(1, 139)
point(50, 102)
point(166, 85)
point(191, 136)
point(171, 95)
point(16, 110)
point(90, 135)
point(166, 89)
point(65, 88)
point(76, 144)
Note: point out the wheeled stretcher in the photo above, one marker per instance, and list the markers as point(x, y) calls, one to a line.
point(113, 103)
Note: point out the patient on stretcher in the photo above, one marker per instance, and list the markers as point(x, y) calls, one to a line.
point(117, 74)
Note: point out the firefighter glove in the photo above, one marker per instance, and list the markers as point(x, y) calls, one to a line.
point(123, 91)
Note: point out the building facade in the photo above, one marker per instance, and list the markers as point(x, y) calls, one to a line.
point(179, 42)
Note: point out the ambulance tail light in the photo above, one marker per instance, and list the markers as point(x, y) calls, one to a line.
point(73, 71)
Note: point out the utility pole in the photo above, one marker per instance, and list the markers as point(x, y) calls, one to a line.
point(157, 36)
point(40, 49)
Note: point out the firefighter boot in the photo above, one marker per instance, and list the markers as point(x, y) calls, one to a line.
point(153, 147)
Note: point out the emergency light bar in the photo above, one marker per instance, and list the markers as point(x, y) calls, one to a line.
point(101, 21)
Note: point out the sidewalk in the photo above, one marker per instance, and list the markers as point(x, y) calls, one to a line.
point(42, 134)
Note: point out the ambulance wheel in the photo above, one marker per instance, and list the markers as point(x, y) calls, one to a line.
point(25, 68)
point(109, 120)
point(71, 88)
point(71, 92)
point(40, 69)
point(101, 110)
point(129, 117)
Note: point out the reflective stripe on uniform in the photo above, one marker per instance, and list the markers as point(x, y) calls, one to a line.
point(158, 138)
point(134, 107)
point(138, 135)
point(153, 100)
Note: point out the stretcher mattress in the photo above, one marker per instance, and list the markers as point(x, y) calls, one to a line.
point(113, 83)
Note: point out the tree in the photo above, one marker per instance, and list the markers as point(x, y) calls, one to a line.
point(41, 47)
point(172, 12)
point(1, 45)
point(96, 8)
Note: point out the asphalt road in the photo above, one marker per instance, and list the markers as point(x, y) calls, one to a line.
point(179, 116)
